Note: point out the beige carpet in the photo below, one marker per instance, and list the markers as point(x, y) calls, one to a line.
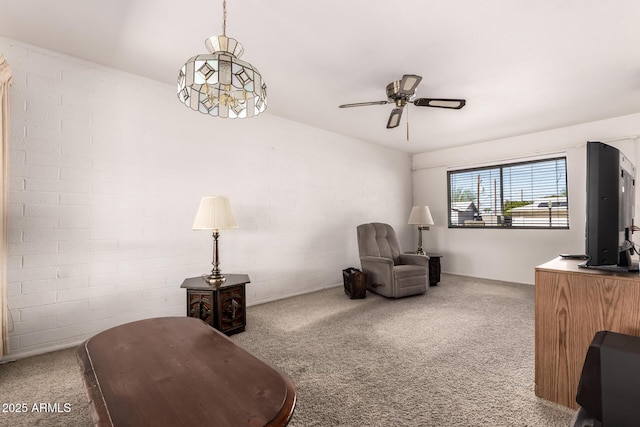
point(52, 378)
point(462, 355)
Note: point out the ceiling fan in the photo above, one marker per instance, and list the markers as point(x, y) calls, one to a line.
point(401, 92)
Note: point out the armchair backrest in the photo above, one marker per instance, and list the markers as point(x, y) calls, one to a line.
point(378, 239)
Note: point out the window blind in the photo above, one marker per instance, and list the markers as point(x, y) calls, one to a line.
point(517, 195)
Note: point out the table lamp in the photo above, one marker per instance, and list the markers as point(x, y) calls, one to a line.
point(214, 213)
point(420, 216)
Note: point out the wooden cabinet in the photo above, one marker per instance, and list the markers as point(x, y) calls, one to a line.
point(571, 305)
point(222, 306)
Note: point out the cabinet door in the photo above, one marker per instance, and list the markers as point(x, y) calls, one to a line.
point(232, 314)
point(200, 305)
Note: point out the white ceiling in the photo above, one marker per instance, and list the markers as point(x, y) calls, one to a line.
point(523, 66)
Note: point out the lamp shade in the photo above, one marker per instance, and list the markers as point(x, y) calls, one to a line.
point(420, 215)
point(214, 213)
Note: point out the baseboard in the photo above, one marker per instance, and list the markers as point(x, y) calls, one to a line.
point(23, 355)
point(485, 278)
point(294, 295)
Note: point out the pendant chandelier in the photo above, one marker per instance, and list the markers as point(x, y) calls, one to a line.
point(220, 84)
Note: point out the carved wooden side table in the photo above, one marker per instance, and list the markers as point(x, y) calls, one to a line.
point(222, 306)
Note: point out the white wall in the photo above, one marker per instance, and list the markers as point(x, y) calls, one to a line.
point(107, 170)
point(512, 254)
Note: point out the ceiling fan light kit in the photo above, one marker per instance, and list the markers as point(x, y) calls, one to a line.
point(401, 92)
point(219, 83)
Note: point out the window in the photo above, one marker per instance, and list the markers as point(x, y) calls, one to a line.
point(517, 195)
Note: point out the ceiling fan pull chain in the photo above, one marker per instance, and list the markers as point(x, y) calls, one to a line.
point(408, 123)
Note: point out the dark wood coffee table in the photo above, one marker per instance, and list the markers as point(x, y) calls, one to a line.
point(178, 371)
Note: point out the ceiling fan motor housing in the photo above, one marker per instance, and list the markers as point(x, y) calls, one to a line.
point(395, 95)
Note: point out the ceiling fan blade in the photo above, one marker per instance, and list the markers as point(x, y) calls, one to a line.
point(362, 104)
point(455, 104)
point(409, 83)
point(394, 118)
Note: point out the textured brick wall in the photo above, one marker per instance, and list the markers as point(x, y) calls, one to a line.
point(107, 170)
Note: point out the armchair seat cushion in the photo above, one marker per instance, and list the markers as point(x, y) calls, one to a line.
point(409, 270)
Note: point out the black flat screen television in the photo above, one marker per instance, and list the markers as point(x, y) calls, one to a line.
point(610, 208)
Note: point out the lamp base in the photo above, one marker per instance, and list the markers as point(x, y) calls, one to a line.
point(214, 279)
point(420, 251)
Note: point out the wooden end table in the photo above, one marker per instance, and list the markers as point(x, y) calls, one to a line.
point(221, 306)
point(434, 268)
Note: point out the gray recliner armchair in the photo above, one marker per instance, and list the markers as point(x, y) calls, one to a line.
point(390, 272)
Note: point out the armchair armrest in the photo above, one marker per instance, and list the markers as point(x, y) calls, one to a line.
point(414, 259)
point(379, 270)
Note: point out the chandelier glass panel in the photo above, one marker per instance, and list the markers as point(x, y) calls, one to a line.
point(219, 83)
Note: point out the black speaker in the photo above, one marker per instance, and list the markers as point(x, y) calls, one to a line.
point(589, 394)
point(609, 388)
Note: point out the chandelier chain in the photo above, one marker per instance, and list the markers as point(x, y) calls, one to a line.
point(224, 18)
